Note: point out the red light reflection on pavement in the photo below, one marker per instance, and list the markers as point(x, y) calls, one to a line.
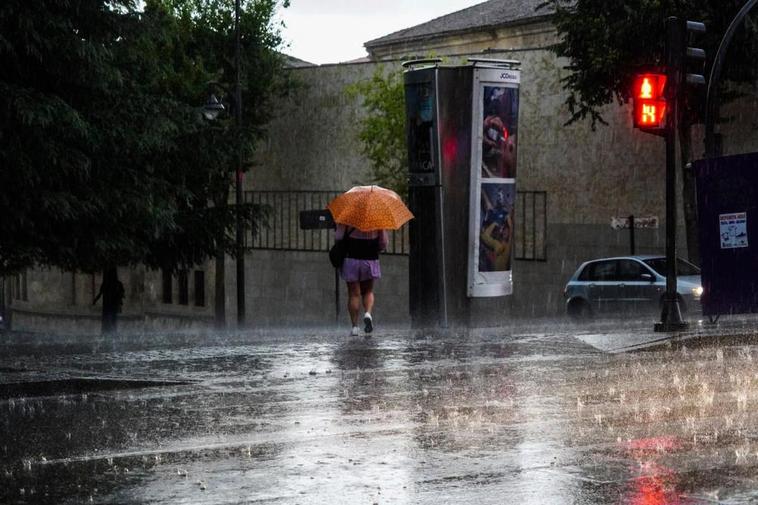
point(657, 484)
point(657, 487)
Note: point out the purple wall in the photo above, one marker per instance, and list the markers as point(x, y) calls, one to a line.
point(727, 197)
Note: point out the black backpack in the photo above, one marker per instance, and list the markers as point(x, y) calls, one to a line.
point(338, 252)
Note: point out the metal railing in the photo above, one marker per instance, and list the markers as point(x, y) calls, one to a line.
point(282, 231)
point(531, 226)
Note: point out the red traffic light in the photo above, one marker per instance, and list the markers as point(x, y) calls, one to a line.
point(649, 101)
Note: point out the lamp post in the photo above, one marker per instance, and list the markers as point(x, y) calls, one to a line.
point(211, 110)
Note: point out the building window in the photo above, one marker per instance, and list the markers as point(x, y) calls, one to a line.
point(73, 288)
point(20, 291)
point(167, 287)
point(183, 282)
point(199, 288)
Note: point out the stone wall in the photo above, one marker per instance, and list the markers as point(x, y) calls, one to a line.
point(62, 302)
point(312, 142)
point(590, 176)
point(297, 289)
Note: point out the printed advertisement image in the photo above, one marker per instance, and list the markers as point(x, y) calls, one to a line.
point(496, 227)
point(499, 128)
point(494, 139)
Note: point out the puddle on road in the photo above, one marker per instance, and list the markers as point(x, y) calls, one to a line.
point(79, 385)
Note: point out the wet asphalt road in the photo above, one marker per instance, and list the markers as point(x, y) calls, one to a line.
point(538, 415)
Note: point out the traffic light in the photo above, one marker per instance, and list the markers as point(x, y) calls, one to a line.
point(693, 54)
point(657, 96)
point(650, 102)
point(680, 57)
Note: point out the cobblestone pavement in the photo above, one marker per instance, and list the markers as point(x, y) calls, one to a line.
point(541, 415)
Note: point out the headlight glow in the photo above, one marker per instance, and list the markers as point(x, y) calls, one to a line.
point(697, 291)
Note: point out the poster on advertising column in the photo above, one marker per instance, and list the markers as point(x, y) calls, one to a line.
point(493, 181)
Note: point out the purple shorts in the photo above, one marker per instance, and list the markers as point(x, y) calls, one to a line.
point(354, 270)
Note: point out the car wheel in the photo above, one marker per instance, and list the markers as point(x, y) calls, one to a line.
point(579, 310)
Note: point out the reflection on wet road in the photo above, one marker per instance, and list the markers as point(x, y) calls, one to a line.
point(494, 417)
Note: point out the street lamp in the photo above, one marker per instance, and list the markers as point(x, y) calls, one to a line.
point(213, 108)
point(211, 111)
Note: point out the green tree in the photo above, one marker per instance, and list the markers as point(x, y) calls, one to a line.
point(108, 162)
point(210, 44)
point(382, 129)
point(55, 58)
point(608, 42)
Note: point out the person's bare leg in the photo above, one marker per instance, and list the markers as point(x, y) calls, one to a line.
point(353, 301)
point(367, 293)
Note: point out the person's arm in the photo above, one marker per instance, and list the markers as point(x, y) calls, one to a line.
point(492, 122)
point(509, 158)
point(339, 232)
point(99, 294)
point(490, 241)
point(383, 240)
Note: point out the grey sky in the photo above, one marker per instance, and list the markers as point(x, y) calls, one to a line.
point(330, 31)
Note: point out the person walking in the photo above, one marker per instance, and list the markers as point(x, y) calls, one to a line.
point(112, 293)
point(359, 270)
point(363, 215)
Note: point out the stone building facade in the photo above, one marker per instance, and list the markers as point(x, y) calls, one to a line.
point(49, 299)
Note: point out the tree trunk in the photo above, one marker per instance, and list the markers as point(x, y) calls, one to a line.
point(5, 323)
point(221, 200)
point(112, 292)
point(689, 195)
point(220, 296)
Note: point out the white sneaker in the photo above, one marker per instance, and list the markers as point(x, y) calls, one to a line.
point(368, 323)
point(355, 331)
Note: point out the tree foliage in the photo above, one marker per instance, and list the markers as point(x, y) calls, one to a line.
point(55, 61)
point(106, 160)
point(382, 130)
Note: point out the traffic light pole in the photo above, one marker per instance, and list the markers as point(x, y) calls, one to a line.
point(671, 315)
point(239, 237)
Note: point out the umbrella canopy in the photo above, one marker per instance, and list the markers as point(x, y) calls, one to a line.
point(370, 208)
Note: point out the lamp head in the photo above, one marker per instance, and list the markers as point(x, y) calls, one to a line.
point(212, 108)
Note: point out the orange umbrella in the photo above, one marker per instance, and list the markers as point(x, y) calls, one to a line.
point(370, 208)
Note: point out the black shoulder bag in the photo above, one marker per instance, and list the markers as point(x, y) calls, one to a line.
point(338, 252)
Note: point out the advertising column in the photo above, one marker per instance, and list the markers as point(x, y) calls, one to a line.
point(493, 181)
point(426, 261)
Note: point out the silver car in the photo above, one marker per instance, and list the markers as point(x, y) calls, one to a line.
point(629, 284)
